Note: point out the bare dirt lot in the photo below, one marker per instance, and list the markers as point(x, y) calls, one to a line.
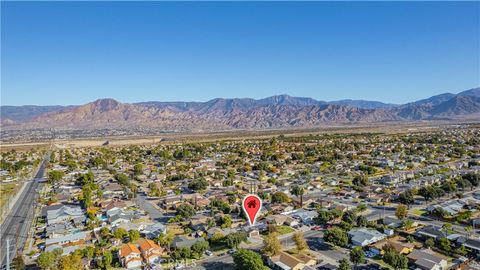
point(175, 138)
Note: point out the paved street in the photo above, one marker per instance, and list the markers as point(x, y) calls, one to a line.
point(226, 261)
point(156, 214)
point(17, 224)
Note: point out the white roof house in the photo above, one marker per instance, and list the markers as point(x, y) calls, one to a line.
point(74, 237)
point(305, 216)
point(64, 213)
point(363, 236)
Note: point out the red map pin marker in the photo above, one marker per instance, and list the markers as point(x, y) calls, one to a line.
point(252, 205)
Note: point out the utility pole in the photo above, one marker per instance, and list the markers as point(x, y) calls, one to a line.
point(474, 231)
point(8, 254)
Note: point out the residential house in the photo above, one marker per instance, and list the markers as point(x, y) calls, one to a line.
point(119, 217)
point(112, 189)
point(276, 219)
point(130, 256)
point(151, 252)
point(285, 261)
point(470, 243)
point(400, 247)
point(426, 259)
point(154, 230)
point(65, 213)
point(364, 237)
point(181, 241)
point(452, 207)
point(430, 231)
point(69, 239)
point(305, 216)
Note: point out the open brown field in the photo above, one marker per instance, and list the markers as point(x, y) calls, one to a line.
point(176, 138)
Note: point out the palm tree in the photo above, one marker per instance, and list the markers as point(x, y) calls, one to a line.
point(298, 191)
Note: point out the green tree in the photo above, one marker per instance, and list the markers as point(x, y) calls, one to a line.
point(18, 263)
point(300, 241)
point(234, 239)
point(122, 179)
point(298, 191)
point(336, 236)
point(198, 184)
point(357, 256)
point(185, 210)
point(362, 221)
point(89, 252)
point(46, 260)
point(344, 264)
point(447, 228)
point(406, 198)
point(106, 260)
point(410, 239)
point(55, 176)
point(468, 229)
point(185, 253)
point(324, 216)
point(86, 197)
point(199, 248)
point(137, 169)
point(134, 235)
point(350, 217)
point(360, 181)
point(247, 259)
point(226, 221)
point(279, 197)
point(361, 207)
point(407, 224)
point(394, 258)
point(402, 211)
point(473, 178)
point(105, 233)
point(71, 262)
point(445, 244)
point(271, 245)
point(449, 186)
point(85, 179)
point(429, 243)
point(120, 233)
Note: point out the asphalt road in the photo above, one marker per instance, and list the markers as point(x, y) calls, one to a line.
point(16, 225)
point(142, 202)
point(225, 262)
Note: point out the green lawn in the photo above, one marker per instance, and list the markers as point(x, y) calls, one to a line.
point(418, 212)
point(381, 263)
point(284, 229)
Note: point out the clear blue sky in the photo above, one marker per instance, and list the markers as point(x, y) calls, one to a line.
point(76, 52)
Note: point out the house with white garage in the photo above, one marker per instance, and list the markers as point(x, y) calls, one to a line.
point(65, 213)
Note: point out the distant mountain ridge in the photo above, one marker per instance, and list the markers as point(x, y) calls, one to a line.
point(281, 111)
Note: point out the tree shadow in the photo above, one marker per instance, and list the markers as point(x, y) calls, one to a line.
point(366, 267)
point(218, 265)
point(318, 246)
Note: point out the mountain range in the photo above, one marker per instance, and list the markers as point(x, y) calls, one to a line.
point(281, 111)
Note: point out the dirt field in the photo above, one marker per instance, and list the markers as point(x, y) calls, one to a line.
point(175, 138)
